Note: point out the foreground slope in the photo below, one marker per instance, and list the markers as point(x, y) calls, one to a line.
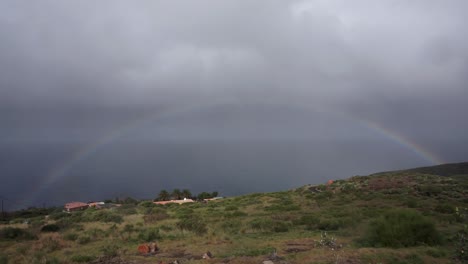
point(329, 223)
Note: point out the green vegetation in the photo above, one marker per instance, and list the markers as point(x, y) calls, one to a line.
point(412, 216)
point(402, 228)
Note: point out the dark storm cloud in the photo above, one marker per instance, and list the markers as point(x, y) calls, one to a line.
point(78, 70)
point(147, 52)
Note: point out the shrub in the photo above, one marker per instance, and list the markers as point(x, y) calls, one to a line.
point(445, 208)
point(70, 236)
point(59, 215)
point(166, 228)
point(105, 216)
point(461, 245)
point(3, 259)
point(308, 220)
point(150, 234)
point(155, 216)
point(411, 202)
point(327, 241)
point(231, 226)
point(414, 259)
point(231, 208)
point(280, 227)
point(261, 224)
point(51, 243)
point(402, 228)
point(110, 250)
point(235, 214)
point(329, 224)
point(436, 253)
point(50, 228)
point(268, 225)
point(126, 209)
point(83, 239)
point(82, 258)
point(13, 233)
point(183, 211)
point(192, 223)
point(430, 190)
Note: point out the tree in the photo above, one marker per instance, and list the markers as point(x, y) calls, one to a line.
point(163, 195)
point(204, 195)
point(186, 193)
point(207, 195)
point(177, 194)
point(130, 200)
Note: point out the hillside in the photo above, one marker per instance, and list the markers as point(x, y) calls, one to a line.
point(448, 170)
point(408, 216)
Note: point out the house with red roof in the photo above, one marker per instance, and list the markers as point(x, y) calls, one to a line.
point(75, 206)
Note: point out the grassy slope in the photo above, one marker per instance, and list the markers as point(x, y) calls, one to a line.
point(246, 229)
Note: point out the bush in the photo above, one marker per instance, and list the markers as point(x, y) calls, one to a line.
point(430, 190)
point(50, 228)
point(308, 220)
point(126, 209)
point(231, 208)
point(50, 244)
point(329, 224)
point(110, 250)
point(3, 259)
point(402, 228)
point(192, 223)
point(13, 233)
point(82, 258)
point(461, 245)
point(155, 216)
point(436, 253)
point(59, 215)
point(280, 227)
point(231, 226)
point(84, 239)
point(261, 224)
point(150, 234)
point(445, 208)
point(70, 236)
point(235, 214)
point(105, 216)
point(183, 212)
point(268, 225)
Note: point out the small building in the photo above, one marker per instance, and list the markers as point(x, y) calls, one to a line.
point(185, 200)
point(75, 206)
point(97, 205)
point(213, 199)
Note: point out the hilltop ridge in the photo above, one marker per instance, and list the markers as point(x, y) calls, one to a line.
point(448, 169)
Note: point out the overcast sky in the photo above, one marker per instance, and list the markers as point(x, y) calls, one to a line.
point(75, 71)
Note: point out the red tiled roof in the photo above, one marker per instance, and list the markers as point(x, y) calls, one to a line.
point(73, 205)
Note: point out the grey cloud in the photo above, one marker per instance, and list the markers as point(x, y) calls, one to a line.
point(77, 71)
point(110, 52)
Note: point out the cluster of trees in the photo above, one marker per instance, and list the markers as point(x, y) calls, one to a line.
point(178, 194)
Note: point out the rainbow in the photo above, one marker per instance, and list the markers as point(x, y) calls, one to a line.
point(84, 152)
point(400, 139)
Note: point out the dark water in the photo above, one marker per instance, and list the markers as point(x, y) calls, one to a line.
point(142, 169)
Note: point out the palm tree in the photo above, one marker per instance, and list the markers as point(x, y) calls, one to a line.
point(163, 195)
point(186, 193)
point(176, 194)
